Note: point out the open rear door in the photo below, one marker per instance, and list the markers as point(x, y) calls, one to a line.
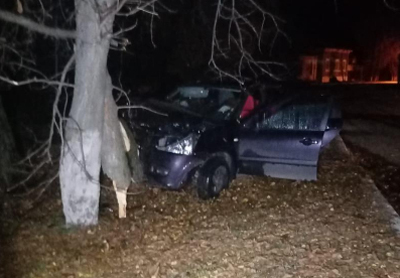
point(285, 144)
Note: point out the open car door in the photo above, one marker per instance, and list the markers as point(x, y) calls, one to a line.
point(284, 141)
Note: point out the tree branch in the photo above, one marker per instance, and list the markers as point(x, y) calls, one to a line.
point(34, 80)
point(243, 24)
point(390, 6)
point(55, 106)
point(142, 107)
point(34, 26)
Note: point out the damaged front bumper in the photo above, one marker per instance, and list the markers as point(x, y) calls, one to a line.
point(171, 170)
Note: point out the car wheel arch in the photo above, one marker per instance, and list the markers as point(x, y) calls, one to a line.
point(229, 159)
point(227, 156)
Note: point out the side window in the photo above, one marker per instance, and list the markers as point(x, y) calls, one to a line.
point(297, 116)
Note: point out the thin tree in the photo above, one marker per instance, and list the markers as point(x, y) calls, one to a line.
point(7, 150)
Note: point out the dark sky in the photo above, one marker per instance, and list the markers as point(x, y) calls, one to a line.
point(309, 24)
point(355, 24)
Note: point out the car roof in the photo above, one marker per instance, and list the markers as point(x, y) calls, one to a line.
point(224, 86)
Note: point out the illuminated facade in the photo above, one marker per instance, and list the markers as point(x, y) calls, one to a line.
point(329, 65)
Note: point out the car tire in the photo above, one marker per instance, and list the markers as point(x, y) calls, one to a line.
point(213, 177)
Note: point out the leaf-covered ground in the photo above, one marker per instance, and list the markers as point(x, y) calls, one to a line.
point(260, 227)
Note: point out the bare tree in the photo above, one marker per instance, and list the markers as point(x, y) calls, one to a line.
point(241, 28)
point(386, 57)
point(91, 134)
point(231, 40)
point(7, 150)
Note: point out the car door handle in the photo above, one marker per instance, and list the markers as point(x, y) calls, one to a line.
point(307, 141)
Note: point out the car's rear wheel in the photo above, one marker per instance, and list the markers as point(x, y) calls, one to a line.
point(213, 177)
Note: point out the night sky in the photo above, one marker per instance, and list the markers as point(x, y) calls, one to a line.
point(180, 37)
point(355, 24)
point(309, 24)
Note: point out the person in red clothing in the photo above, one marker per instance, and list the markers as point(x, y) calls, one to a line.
point(249, 106)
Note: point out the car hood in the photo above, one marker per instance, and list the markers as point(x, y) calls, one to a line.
point(162, 118)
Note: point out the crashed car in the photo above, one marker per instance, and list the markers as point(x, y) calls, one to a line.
point(212, 133)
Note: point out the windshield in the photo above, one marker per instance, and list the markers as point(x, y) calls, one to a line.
point(216, 103)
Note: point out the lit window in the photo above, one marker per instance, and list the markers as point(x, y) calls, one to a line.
point(337, 65)
point(327, 65)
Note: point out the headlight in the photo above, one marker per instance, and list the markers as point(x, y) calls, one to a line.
point(183, 146)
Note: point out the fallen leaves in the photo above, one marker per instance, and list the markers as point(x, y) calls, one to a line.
point(261, 227)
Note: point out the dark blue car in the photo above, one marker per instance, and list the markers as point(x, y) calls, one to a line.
point(211, 133)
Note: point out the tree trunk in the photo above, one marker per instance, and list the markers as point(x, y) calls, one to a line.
point(7, 151)
point(81, 156)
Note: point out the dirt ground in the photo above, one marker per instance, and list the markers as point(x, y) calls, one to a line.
point(260, 227)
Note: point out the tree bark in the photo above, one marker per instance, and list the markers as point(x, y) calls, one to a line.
point(81, 156)
point(131, 147)
point(113, 158)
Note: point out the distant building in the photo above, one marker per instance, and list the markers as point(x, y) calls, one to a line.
point(327, 65)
